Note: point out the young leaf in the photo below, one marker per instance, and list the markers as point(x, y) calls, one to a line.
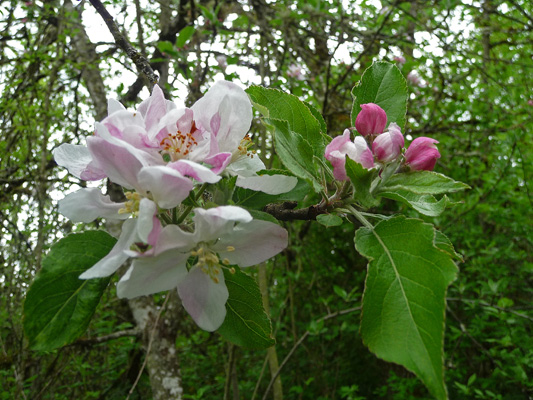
point(294, 151)
point(423, 203)
point(59, 305)
point(184, 36)
point(361, 179)
point(329, 220)
point(246, 323)
point(384, 85)
point(275, 104)
point(422, 182)
point(404, 299)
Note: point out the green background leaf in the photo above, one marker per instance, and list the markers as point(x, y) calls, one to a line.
point(184, 36)
point(246, 323)
point(59, 305)
point(275, 104)
point(422, 182)
point(294, 151)
point(423, 203)
point(404, 300)
point(384, 85)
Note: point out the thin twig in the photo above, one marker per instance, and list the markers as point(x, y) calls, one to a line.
point(300, 341)
point(140, 61)
point(101, 339)
point(149, 347)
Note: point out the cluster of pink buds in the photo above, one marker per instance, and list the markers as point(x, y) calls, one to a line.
point(399, 59)
point(385, 146)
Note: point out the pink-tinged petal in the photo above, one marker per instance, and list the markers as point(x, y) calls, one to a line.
point(270, 184)
point(359, 152)
point(117, 256)
point(234, 110)
point(153, 108)
point(168, 125)
point(253, 243)
point(114, 106)
point(371, 120)
point(204, 299)
point(119, 164)
point(85, 205)
point(219, 162)
point(153, 275)
point(167, 186)
point(78, 160)
point(335, 154)
point(388, 146)
point(216, 222)
point(195, 170)
point(422, 154)
point(127, 126)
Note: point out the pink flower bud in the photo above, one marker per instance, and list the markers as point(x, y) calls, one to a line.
point(371, 120)
point(530, 102)
point(422, 154)
point(340, 147)
point(399, 59)
point(388, 146)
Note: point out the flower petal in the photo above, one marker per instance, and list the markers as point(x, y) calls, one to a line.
point(78, 160)
point(195, 170)
point(204, 299)
point(153, 274)
point(167, 186)
point(252, 243)
point(245, 166)
point(216, 222)
point(234, 110)
point(85, 205)
point(117, 256)
point(270, 184)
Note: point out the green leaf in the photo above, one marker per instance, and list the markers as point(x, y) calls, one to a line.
point(246, 323)
point(329, 220)
point(384, 85)
point(404, 299)
point(294, 151)
point(184, 36)
point(166, 47)
point(59, 305)
point(275, 104)
point(423, 203)
point(444, 244)
point(318, 116)
point(361, 179)
point(421, 182)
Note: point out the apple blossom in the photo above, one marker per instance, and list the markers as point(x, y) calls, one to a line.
point(414, 78)
point(222, 61)
point(399, 59)
point(388, 146)
point(223, 236)
point(371, 120)
point(340, 147)
point(295, 71)
point(422, 154)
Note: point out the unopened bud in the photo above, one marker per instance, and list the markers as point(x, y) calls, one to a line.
point(388, 146)
point(422, 154)
point(371, 120)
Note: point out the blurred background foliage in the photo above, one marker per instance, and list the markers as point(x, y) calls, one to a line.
point(470, 73)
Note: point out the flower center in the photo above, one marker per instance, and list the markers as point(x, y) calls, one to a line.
point(209, 262)
point(179, 145)
point(243, 149)
point(132, 205)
